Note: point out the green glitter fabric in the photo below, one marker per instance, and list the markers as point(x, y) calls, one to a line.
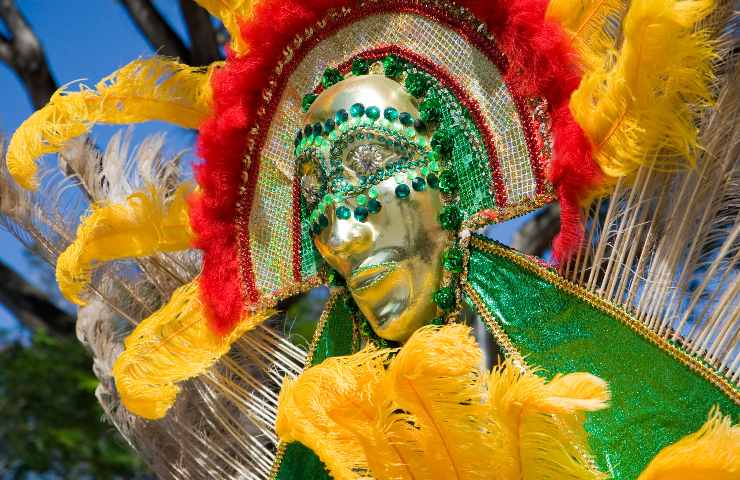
point(656, 400)
point(336, 340)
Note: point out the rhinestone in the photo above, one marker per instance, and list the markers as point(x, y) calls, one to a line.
point(403, 191)
point(357, 110)
point(374, 206)
point(343, 213)
point(418, 184)
point(341, 116)
point(390, 114)
point(406, 119)
point(361, 213)
point(372, 113)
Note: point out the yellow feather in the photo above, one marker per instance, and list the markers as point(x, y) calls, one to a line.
point(434, 414)
point(713, 453)
point(230, 12)
point(337, 392)
point(642, 110)
point(591, 25)
point(172, 345)
point(147, 89)
point(541, 423)
point(145, 224)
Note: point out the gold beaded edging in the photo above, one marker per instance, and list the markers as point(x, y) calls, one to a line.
point(614, 310)
point(320, 326)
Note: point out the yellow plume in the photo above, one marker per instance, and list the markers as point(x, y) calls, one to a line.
point(713, 453)
point(591, 26)
point(172, 345)
point(434, 414)
point(145, 224)
point(230, 12)
point(642, 109)
point(147, 89)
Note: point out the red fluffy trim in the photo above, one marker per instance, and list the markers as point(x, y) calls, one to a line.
point(539, 65)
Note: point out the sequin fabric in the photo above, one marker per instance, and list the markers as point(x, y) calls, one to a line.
point(656, 400)
point(271, 216)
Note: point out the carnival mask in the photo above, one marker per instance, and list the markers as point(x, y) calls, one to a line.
point(375, 198)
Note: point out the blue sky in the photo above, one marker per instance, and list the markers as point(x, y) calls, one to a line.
point(87, 39)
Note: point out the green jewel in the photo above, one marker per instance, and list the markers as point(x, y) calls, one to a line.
point(338, 197)
point(328, 199)
point(406, 119)
point(315, 228)
point(331, 77)
point(343, 213)
point(392, 65)
point(418, 184)
point(308, 100)
point(360, 66)
point(341, 116)
point(373, 113)
point(323, 221)
point(453, 260)
point(410, 132)
point(361, 200)
point(444, 298)
point(421, 142)
point(433, 156)
point(443, 141)
point(430, 110)
point(450, 218)
point(390, 114)
point(403, 191)
point(432, 181)
point(448, 182)
point(357, 110)
point(373, 192)
point(373, 206)
point(425, 171)
point(417, 84)
point(361, 214)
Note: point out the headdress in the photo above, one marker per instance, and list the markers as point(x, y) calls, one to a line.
point(502, 106)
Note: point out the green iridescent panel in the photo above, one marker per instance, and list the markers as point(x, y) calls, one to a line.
point(656, 400)
point(336, 339)
point(309, 256)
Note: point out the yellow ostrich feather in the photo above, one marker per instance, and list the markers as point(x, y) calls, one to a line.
point(591, 25)
point(432, 413)
point(146, 89)
point(642, 109)
point(230, 12)
point(146, 223)
point(713, 453)
point(172, 345)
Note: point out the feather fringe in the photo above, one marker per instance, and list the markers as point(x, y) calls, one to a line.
point(712, 452)
point(231, 13)
point(144, 225)
point(432, 413)
point(147, 89)
point(592, 26)
point(172, 345)
point(643, 110)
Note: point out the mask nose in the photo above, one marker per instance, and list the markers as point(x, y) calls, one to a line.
point(345, 243)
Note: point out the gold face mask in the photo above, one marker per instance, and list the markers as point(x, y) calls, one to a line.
point(390, 259)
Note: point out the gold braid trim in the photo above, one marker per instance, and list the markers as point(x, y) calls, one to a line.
point(614, 310)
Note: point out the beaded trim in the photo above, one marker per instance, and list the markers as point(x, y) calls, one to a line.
point(691, 362)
